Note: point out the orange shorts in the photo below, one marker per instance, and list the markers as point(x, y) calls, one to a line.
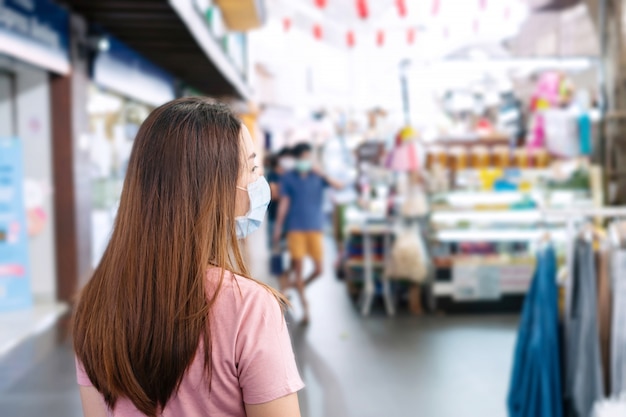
point(301, 244)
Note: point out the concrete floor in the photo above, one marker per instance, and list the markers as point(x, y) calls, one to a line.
point(353, 366)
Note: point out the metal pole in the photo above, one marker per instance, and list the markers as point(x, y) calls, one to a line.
point(604, 46)
point(404, 84)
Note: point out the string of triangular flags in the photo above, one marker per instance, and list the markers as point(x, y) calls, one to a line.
point(363, 12)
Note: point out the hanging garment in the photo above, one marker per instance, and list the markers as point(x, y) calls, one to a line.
point(618, 341)
point(584, 133)
point(604, 315)
point(535, 389)
point(409, 259)
point(561, 126)
point(584, 380)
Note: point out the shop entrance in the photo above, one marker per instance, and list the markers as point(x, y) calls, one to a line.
point(7, 105)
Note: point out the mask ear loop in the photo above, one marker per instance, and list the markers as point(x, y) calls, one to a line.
point(241, 188)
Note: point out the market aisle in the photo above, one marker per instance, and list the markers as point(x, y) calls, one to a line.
point(353, 367)
point(402, 366)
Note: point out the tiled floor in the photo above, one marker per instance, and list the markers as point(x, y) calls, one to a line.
point(15, 327)
point(354, 367)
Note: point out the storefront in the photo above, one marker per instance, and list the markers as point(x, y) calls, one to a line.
point(34, 42)
point(124, 89)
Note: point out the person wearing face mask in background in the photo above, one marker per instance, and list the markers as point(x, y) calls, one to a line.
point(301, 214)
point(279, 164)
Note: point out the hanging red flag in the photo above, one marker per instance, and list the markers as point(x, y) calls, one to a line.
point(317, 32)
point(410, 36)
point(350, 39)
point(320, 3)
point(482, 4)
point(401, 5)
point(286, 24)
point(436, 7)
point(380, 38)
point(361, 9)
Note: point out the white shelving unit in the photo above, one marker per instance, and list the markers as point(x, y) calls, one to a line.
point(467, 217)
point(498, 235)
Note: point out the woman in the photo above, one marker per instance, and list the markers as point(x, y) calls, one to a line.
point(170, 324)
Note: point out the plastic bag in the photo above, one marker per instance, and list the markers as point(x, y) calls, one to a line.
point(416, 203)
point(408, 259)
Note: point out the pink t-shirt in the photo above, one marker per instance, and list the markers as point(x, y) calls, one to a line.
point(252, 358)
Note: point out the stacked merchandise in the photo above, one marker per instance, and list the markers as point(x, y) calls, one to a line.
point(561, 119)
point(486, 229)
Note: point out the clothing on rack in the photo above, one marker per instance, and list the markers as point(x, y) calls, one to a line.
point(536, 388)
point(584, 377)
point(618, 340)
point(605, 304)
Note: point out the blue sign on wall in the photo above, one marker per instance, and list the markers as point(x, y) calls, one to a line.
point(122, 69)
point(15, 291)
point(36, 31)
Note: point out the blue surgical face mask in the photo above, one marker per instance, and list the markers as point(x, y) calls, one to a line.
point(260, 195)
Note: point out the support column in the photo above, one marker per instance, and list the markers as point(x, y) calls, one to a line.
point(71, 162)
point(607, 16)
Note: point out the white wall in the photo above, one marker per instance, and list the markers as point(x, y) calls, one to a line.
point(32, 106)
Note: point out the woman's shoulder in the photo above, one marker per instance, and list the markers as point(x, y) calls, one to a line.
point(240, 289)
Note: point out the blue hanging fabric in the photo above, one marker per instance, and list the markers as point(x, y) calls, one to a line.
point(535, 389)
point(584, 134)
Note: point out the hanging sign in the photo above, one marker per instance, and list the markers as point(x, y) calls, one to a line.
point(320, 3)
point(362, 9)
point(435, 7)
point(15, 292)
point(410, 36)
point(317, 31)
point(37, 32)
point(401, 5)
point(286, 24)
point(380, 38)
point(350, 39)
point(476, 282)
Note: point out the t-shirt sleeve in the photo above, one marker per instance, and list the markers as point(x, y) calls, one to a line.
point(273, 177)
point(325, 183)
point(81, 375)
point(285, 186)
point(267, 368)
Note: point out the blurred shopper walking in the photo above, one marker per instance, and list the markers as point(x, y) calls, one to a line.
point(301, 214)
point(279, 164)
point(171, 323)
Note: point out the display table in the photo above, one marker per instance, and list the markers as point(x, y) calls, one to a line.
point(372, 230)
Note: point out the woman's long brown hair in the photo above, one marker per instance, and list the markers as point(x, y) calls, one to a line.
point(142, 317)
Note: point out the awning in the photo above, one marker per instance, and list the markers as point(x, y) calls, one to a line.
point(172, 35)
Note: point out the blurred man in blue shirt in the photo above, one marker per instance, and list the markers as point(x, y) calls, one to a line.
point(301, 213)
